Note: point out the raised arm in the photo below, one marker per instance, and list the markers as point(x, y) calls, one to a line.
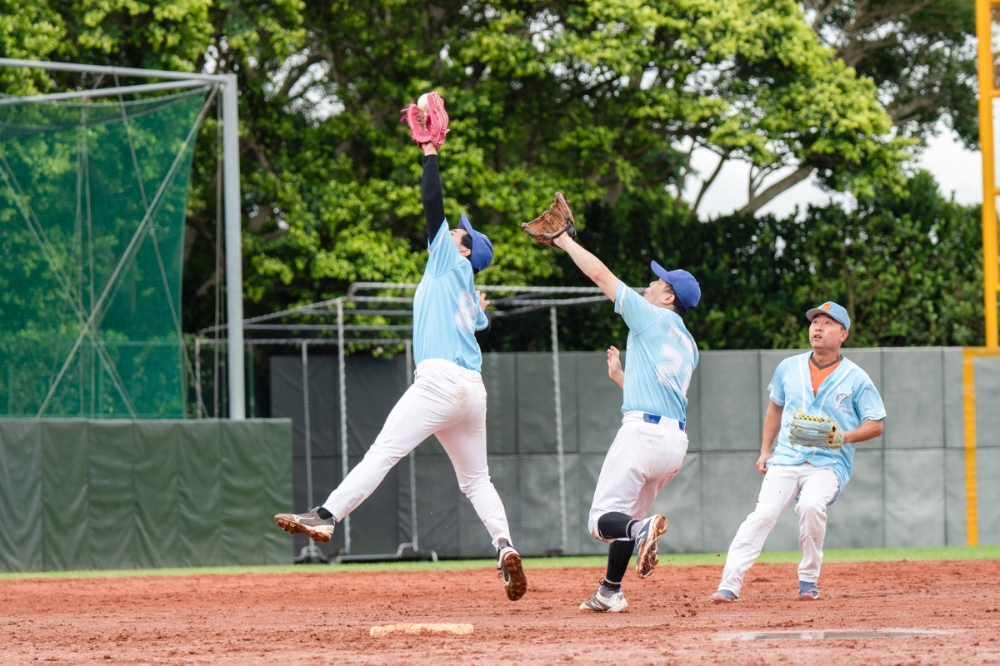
point(591, 266)
point(430, 190)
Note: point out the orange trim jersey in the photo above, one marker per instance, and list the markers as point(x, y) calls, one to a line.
point(818, 375)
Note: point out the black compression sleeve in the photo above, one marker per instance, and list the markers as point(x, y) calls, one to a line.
point(614, 525)
point(618, 556)
point(430, 190)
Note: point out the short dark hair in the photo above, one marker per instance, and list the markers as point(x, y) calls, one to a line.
point(676, 304)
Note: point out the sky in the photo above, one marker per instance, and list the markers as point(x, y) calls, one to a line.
point(959, 173)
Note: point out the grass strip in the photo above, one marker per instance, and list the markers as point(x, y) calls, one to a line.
point(944, 553)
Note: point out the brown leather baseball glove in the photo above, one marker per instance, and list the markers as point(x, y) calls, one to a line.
point(557, 220)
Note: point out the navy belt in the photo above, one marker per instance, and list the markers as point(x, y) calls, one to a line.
point(654, 418)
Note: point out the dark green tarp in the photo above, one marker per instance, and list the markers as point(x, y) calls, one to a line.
point(96, 494)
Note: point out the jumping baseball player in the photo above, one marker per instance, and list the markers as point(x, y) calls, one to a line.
point(447, 398)
point(821, 405)
point(651, 444)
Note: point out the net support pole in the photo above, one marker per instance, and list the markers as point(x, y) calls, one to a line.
point(197, 375)
point(306, 425)
point(234, 252)
point(342, 390)
point(553, 319)
point(413, 459)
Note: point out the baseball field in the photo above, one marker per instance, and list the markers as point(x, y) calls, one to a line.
point(941, 602)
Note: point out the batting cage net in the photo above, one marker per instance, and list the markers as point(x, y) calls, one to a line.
point(92, 206)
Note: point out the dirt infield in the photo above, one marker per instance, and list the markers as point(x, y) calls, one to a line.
point(325, 618)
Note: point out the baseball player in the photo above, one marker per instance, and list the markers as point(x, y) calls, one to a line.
point(807, 391)
point(447, 398)
point(651, 444)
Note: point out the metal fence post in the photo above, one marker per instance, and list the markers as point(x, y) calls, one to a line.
point(234, 253)
point(413, 458)
point(344, 466)
point(306, 424)
point(564, 537)
point(197, 374)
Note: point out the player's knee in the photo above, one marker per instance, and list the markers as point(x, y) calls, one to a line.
point(471, 484)
point(762, 520)
point(810, 508)
point(382, 454)
point(592, 526)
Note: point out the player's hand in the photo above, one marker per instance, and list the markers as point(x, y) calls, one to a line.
point(615, 371)
point(762, 462)
point(483, 303)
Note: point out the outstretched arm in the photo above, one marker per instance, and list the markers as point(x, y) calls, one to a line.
point(591, 266)
point(430, 190)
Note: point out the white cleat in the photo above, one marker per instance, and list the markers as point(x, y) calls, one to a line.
point(598, 603)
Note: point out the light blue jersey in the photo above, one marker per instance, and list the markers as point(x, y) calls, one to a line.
point(661, 357)
point(446, 312)
point(847, 395)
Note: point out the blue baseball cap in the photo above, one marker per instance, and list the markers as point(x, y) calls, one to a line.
point(684, 285)
point(833, 310)
point(482, 248)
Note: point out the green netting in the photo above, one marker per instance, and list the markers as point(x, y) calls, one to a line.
point(92, 206)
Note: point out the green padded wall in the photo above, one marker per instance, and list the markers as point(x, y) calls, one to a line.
point(98, 494)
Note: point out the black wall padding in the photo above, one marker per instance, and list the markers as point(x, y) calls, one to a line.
point(89, 494)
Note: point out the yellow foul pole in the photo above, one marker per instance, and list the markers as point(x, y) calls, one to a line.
point(987, 93)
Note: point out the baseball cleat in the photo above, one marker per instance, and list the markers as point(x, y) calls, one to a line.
point(723, 597)
point(650, 531)
point(808, 591)
point(514, 581)
point(318, 529)
point(605, 601)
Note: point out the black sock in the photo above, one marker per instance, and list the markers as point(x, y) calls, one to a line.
point(614, 525)
point(323, 513)
point(619, 554)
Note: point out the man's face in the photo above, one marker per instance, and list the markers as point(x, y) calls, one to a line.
point(658, 294)
point(826, 333)
point(456, 236)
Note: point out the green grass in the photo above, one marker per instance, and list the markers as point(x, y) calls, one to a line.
point(668, 559)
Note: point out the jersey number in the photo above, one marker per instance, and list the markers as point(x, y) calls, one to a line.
point(673, 373)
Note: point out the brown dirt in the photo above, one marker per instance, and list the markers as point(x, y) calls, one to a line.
point(325, 618)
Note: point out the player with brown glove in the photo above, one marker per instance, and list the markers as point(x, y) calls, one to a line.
point(551, 224)
point(650, 445)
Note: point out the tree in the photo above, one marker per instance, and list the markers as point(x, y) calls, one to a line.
point(596, 98)
point(907, 266)
point(604, 99)
point(921, 56)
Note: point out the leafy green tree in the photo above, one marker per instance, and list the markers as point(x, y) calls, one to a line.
point(604, 99)
point(596, 98)
point(907, 266)
point(921, 56)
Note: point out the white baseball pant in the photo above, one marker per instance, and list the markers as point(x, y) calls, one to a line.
point(643, 458)
point(445, 400)
point(815, 487)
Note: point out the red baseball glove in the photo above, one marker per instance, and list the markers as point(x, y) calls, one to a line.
point(427, 119)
